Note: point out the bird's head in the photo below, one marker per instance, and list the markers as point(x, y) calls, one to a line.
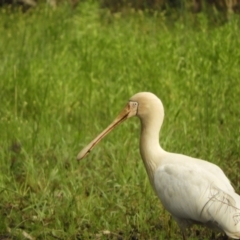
point(145, 105)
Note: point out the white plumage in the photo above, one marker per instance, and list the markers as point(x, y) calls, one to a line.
point(194, 191)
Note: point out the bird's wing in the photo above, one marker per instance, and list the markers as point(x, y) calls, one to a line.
point(190, 192)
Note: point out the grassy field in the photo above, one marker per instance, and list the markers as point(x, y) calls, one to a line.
point(65, 75)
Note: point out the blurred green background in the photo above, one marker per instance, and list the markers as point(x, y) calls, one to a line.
point(66, 71)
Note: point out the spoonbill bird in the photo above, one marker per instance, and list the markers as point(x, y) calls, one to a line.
point(194, 191)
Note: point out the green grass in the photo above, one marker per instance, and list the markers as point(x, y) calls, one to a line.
point(65, 75)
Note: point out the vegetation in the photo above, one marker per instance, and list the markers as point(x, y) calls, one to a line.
point(65, 75)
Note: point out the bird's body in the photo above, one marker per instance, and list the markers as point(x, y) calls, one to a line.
point(194, 191)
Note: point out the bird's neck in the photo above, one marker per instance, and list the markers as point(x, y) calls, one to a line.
point(150, 148)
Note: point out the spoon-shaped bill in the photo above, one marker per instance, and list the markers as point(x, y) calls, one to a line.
point(129, 111)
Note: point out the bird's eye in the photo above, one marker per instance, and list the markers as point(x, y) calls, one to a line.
point(134, 104)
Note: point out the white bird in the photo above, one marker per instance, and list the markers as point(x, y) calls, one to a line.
point(194, 191)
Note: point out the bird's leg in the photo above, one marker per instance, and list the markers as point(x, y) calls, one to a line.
point(225, 237)
point(219, 236)
point(184, 235)
point(169, 226)
point(213, 236)
point(183, 224)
